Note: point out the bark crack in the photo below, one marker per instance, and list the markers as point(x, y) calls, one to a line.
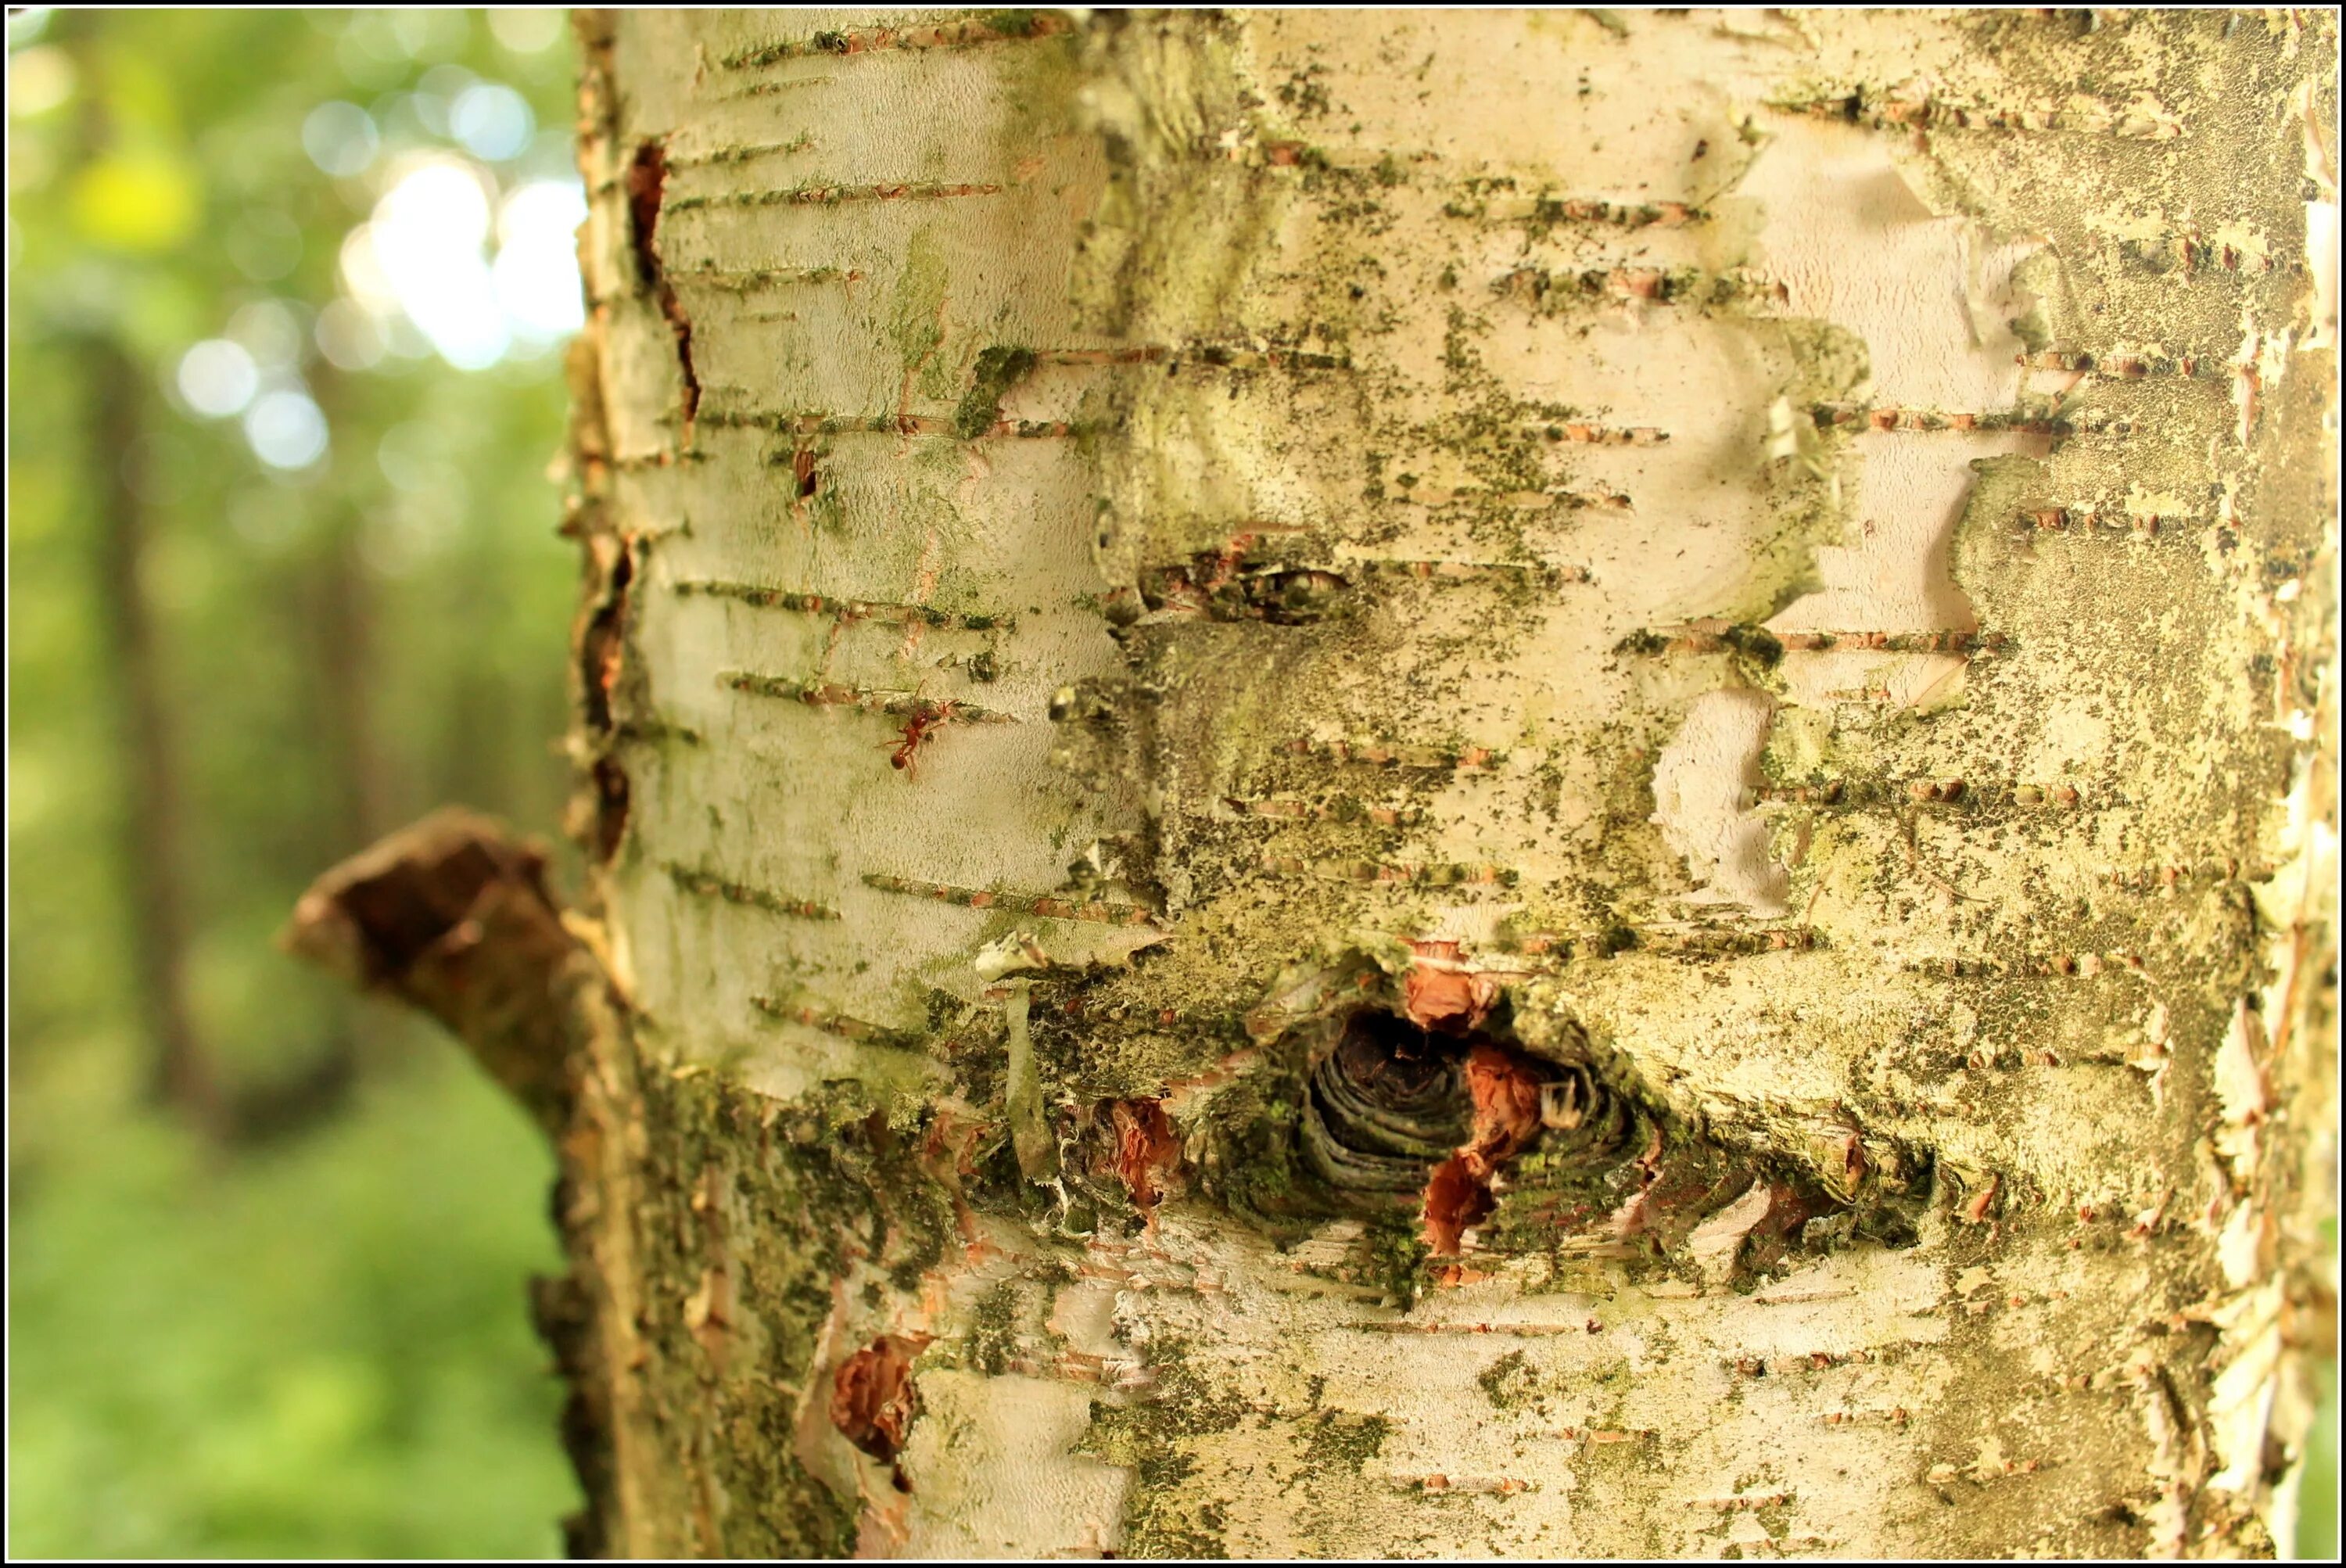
point(647, 184)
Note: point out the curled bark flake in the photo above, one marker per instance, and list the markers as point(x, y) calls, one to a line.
point(1506, 1093)
point(1147, 1151)
point(1716, 1241)
point(1506, 1090)
point(873, 1400)
point(1455, 1200)
point(1442, 994)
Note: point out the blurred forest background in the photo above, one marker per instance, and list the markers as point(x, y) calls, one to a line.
point(287, 292)
point(286, 296)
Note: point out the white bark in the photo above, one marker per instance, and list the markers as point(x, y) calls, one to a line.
point(1800, 547)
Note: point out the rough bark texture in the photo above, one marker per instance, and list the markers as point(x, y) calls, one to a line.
point(1613, 822)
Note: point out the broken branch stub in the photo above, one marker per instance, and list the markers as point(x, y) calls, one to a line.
point(454, 916)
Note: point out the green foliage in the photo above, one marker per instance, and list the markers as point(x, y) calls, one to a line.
point(320, 1350)
point(316, 1345)
point(2317, 1509)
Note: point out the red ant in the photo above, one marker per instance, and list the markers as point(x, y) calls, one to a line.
point(925, 716)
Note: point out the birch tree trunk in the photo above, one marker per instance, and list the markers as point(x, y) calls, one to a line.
point(1613, 826)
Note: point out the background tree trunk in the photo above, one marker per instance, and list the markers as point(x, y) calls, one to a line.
point(181, 1073)
point(1617, 815)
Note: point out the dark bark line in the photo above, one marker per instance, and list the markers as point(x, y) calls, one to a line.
point(598, 813)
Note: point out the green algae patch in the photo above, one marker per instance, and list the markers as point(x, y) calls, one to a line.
point(998, 370)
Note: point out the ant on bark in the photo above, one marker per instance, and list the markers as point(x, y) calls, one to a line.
point(925, 716)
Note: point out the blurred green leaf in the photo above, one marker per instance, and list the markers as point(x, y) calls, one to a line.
point(141, 202)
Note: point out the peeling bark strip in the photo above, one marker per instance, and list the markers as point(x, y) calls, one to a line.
point(1663, 880)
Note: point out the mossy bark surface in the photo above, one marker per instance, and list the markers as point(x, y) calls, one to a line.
point(1476, 784)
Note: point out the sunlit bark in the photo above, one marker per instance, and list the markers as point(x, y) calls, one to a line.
point(1614, 833)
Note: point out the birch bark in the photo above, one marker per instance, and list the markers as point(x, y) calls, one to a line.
point(1619, 822)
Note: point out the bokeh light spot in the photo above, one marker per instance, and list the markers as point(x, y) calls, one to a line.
point(272, 331)
point(39, 79)
point(363, 271)
point(340, 138)
point(218, 378)
point(287, 429)
point(537, 260)
point(526, 30)
point(426, 238)
point(439, 196)
point(492, 120)
point(348, 337)
point(27, 22)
